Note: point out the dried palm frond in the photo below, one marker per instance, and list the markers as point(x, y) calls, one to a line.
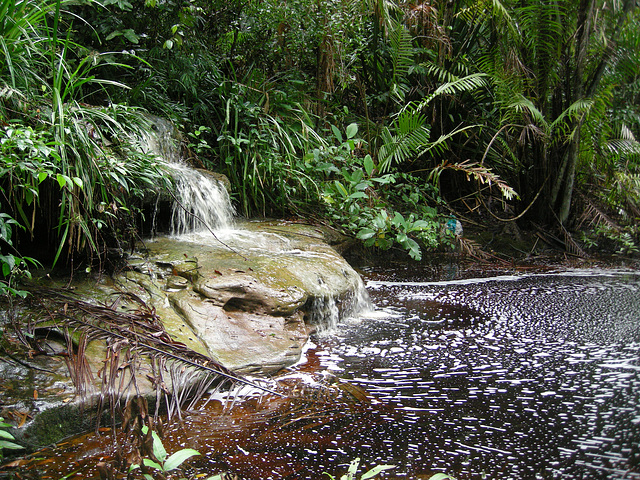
point(129, 337)
point(571, 245)
point(471, 248)
point(593, 215)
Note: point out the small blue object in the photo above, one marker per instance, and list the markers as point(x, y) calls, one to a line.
point(454, 226)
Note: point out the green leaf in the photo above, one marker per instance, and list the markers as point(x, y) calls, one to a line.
point(368, 165)
point(441, 476)
point(341, 189)
point(178, 458)
point(337, 133)
point(42, 176)
point(353, 468)
point(365, 233)
point(359, 194)
point(114, 34)
point(78, 182)
point(152, 464)
point(61, 180)
point(10, 445)
point(130, 35)
point(398, 220)
point(375, 471)
point(4, 434)
point(158, 449)
point(352, 130)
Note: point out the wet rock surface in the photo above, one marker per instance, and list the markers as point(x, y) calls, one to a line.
point(249, 300)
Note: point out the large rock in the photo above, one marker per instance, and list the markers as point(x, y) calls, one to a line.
point(248, 298)
point(253, 296)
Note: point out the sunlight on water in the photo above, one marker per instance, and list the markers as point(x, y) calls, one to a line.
point(510, 377)
point(514, 377)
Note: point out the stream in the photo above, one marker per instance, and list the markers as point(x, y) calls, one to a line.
point(511, 376)
point(521, 376)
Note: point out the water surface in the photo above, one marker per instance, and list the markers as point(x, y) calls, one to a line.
point(510, 377)
point(526, 376)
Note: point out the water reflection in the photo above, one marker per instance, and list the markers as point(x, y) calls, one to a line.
point(512, 377)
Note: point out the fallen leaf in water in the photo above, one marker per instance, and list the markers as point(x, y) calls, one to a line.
point(16, 463)
point(35, 394)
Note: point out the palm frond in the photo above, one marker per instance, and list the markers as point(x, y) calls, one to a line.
point(180, 374)
point(575, 110)
point(400, 41)
point(459, 85)
point(478, 172)
point(410, 135)
point(521, 110)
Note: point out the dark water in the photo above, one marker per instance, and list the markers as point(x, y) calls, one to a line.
point(509, 377)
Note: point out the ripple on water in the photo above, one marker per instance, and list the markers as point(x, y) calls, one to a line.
point(511, 376)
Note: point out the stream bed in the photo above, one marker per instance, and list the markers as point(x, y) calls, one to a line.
point(523, 376)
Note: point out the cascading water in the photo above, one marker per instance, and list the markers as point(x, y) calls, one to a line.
point(202, 213)
point(201, 202)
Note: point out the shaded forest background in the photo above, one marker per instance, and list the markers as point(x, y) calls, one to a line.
point(383, 119)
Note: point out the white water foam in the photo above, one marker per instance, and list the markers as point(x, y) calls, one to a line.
point(201, 202)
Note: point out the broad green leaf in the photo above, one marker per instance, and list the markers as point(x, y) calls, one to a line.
point(61, 180)
point(114, 34)
point(130, 35)
point(341, 189)
point(4, 434)
point(352, 130)
point(337, 133)
point(398, 220)
point(365, 233)
point(42, 176)
point(368, 165)
point(441, 476)
point(178, 458)
point(375, 471)
point(78, 182)
point(355, 195)
point(10, 445)
point(152, 464)
point(158, 449)
point(353, 467)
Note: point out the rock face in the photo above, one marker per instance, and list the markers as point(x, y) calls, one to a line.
point(248, 297)
point(251, 301)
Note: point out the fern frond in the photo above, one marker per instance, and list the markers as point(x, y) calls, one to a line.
point(400, 41)
point(464, 84)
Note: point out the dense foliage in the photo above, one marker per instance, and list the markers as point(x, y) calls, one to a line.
point(375, 116)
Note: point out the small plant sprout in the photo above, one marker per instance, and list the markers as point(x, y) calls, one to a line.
point(166, 463)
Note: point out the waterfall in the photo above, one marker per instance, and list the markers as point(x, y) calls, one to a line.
point(200, 201)
point(201, 205)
